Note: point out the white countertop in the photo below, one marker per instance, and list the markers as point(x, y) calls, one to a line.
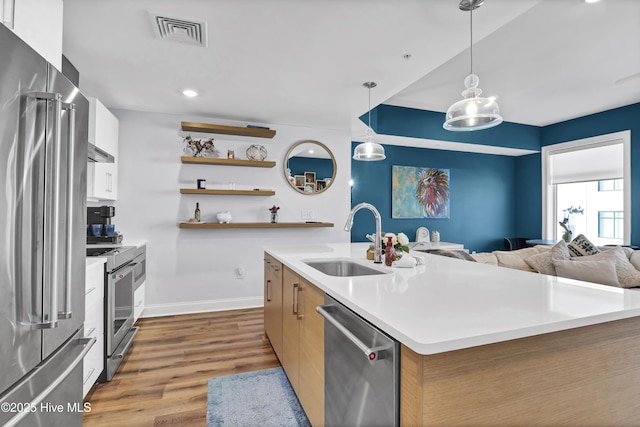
point(435, 245)
point(449, 304)
point(129, 242)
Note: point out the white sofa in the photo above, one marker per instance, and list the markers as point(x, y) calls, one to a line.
point(608, 265)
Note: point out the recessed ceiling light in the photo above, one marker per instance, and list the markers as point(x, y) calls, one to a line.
point(310, 151)
point(591, 1)
point(190, 93)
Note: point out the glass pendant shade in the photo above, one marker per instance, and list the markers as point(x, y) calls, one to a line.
point(473, 112)
point(369, 150)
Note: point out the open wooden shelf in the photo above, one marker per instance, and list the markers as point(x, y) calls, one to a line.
point(227, 162)
point(227, 130)
point(228, 192)
point(257, 225)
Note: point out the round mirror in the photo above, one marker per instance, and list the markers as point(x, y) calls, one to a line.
point(309, 167)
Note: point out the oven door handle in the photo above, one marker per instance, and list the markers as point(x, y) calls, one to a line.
point(123, 271)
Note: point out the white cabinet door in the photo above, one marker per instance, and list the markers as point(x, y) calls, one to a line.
point(39, 24)
point(93, 325)
point(103, 127)
point(102, 178)
point(138, 301)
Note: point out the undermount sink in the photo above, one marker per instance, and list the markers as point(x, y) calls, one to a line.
point(343, 268)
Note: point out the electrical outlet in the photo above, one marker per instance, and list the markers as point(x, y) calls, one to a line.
point(307, 215)
point(240, 273)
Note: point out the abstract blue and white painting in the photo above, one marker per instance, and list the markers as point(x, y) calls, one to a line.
point(419, 192)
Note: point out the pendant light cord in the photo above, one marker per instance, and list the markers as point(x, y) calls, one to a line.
point(471, 38)
point(370, 108)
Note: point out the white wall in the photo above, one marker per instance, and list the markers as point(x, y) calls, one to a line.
point(194, 270)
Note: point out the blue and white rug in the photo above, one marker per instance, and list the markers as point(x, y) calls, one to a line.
point(260, 398)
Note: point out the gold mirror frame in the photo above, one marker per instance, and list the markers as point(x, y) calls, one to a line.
point(291, 179)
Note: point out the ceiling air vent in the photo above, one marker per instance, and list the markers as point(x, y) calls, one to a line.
point(179, 30)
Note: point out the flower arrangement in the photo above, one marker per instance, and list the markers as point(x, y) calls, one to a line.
point(198, 147)
point(400, 243)
point(274, 209)
point(274, 213)
point(566, 235)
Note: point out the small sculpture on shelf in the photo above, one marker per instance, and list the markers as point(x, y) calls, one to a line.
point(224, 217)
point(274, 213)
point(199, 147)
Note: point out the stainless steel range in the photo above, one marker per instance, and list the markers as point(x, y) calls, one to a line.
point(120, 278)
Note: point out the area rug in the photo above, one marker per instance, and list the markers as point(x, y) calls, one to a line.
point(260, 398)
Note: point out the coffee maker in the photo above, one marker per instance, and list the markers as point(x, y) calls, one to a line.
point(101, 216)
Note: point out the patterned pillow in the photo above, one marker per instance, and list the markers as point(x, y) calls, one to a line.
point(581, 246)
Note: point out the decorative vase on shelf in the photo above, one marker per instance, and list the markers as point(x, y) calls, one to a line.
point(274, 217)
point(389, 252)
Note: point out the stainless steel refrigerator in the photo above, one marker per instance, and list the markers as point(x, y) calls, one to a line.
point(43, 161)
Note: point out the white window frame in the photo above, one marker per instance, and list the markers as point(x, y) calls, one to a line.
point(549, 207)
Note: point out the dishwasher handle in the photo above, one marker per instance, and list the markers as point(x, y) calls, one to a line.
point(372, 354)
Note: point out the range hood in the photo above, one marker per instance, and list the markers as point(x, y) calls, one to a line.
point(98, 155)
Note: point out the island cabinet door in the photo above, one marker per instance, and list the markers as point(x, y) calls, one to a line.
point(290, 326)
point(273, 303)
point(311, 373)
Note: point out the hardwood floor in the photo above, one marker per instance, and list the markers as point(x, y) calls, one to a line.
point(163, 379)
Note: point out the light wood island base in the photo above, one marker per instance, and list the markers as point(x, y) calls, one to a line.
point(587, 376)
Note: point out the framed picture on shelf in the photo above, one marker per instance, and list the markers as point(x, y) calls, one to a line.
point(310, 187)
point(321, 184)
point(299, 181)
point(310, 177)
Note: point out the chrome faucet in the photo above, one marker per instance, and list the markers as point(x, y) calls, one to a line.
point(377, 258)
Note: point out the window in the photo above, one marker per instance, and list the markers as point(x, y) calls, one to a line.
point(610, 224)
point(591, 174)
point(610, 185)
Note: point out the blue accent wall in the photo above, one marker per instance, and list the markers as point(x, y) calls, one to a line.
point(482, 193)
point(402, 121)
point(492, 196)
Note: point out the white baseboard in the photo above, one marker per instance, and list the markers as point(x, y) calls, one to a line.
point(157, 310)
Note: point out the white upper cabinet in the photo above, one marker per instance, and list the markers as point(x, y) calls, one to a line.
point(39, 23)
point(102, 178)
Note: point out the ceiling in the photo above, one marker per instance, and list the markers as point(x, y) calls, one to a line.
point(303, 62)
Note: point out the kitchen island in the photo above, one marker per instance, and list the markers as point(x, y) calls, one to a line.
point(487, 345)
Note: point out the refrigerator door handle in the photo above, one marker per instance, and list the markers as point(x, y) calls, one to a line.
point(49, 316)
point(86, 344)
point(66, 312)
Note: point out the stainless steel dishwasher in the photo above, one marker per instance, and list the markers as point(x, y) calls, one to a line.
point(361, 370)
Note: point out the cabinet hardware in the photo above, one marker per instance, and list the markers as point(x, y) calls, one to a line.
point(268, 290)
point(296, 289)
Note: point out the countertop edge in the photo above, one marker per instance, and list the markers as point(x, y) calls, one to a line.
point(428, 348)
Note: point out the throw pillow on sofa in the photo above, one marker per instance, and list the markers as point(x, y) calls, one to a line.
point(543, 262)
point(581, 246)
point(515, 259)
point(628, 276)
point(601, 271)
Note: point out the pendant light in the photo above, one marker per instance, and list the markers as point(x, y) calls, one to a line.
point(473, 112)
point(369, 150)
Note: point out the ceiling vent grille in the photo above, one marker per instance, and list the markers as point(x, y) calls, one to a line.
point(179, 30)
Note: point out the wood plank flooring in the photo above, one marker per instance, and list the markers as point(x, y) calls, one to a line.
point(163, 379)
